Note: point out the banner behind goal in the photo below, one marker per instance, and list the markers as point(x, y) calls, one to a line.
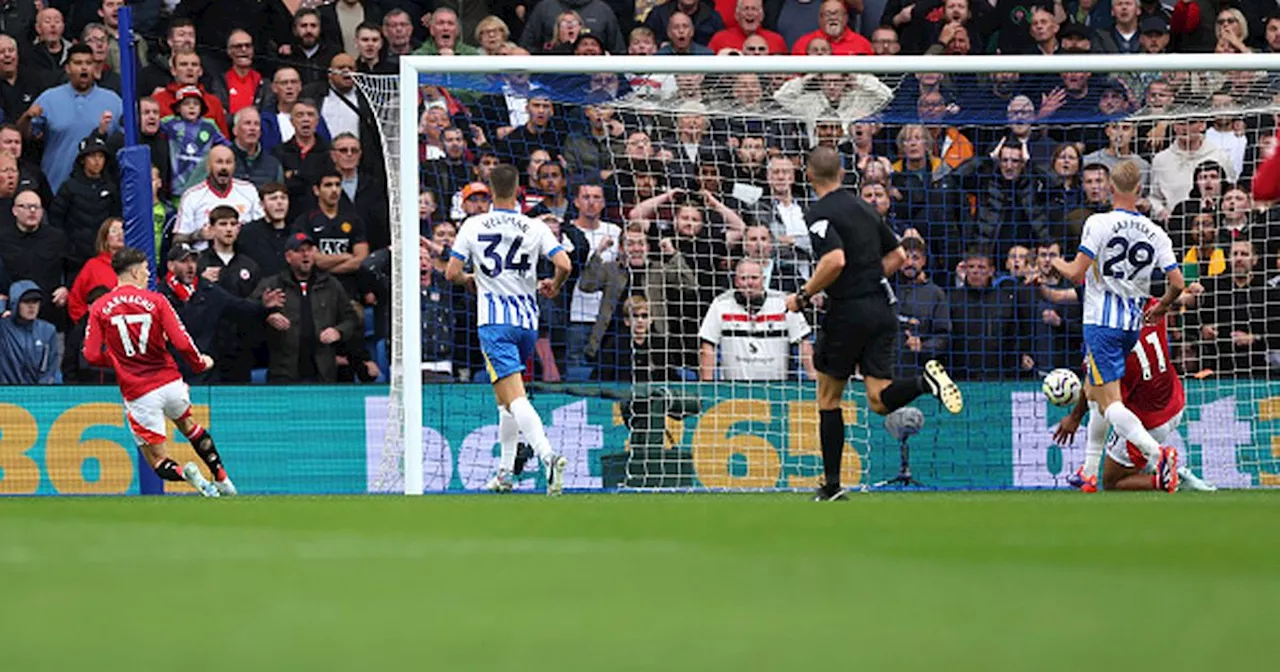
point(679, 185)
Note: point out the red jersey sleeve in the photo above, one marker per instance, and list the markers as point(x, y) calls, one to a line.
point(93, 349)
point(1266, 182)
point(177, 335)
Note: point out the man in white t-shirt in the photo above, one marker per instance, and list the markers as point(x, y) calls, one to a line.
point(602, 241)
point(753, 331)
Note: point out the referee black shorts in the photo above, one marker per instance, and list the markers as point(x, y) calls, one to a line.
point(857, 333)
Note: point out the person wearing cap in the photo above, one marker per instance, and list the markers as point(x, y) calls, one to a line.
point(474, 199)
point(1153, 35)
point(191, 135)
point(29, 349)
point(84, 201)
point(304, 334)
point(203, 306)
point(187, 70)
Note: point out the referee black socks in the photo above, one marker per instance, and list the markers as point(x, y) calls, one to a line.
point(902, 392)
point(831, 431)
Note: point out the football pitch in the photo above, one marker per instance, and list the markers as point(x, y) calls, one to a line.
point(950, 581)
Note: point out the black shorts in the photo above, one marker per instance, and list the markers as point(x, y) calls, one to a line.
point(857, 334)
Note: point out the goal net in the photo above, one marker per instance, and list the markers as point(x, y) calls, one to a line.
point(678, 186)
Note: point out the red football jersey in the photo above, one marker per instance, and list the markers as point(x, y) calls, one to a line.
point(1151, 387)
point(128, 329)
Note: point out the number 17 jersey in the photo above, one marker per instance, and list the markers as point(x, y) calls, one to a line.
point(505, 247)
point(1126, 248)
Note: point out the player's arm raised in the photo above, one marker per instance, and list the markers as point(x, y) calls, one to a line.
point(1174, 283)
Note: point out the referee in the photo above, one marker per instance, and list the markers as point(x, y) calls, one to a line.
point(856, 252)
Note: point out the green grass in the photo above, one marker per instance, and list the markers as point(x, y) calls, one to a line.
point(1020, 581)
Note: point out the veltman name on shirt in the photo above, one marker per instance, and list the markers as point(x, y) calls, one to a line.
point(128, 298)
point(493, 220)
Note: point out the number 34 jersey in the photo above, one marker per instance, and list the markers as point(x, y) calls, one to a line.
point(505, 247)
point(1126, 248)
point(129, 329)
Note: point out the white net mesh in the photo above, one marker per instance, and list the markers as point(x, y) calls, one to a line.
point(993, 175)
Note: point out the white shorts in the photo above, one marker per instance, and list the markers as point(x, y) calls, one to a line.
point(1127, 455)
point(146, 414)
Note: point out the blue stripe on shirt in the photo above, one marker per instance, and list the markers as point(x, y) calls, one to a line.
point(1106, 309)
point(1087, 252)
point(1170, 267)
point(454, 253)
point(555, 250)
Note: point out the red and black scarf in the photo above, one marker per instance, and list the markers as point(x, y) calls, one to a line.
point(183, 292)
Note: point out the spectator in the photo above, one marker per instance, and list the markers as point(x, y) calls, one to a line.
point(555, 192)
point(1064, 191)
point(372, 58)
point(439, 298)
point(397, 28)
point(1227, 131)
point(110, 14)
point(48, 55)
point(339, 23)
point(833, 20)
point(252, 163)
point(660, 279)
point(303, 156)
point(64, 115)
point(29, 175)
point(277, 121)
point(95, 35)
point(31, 250)
point(492, 34)
point(884, 41)
point(29, 346)
point(97, 272)
point(158, 74)
point(308, 54)
point(1055, 327)
point(753, 331)
point(208, 311)
point(191, 135)
point(263, 239)
point(225, 264)
point(446, 35)
point(19, 86)
point(988, 339)
point(1125, 32)
point(149, 116)
point(599, 239)
point(597, 18)
point(84, 201)
point(590, 155)
point(341, 241)
point(1095, 187)
point(241, 85)
point(779, 274)
point(643, 357)
point(17, 18)
point(750, 19)
point(317, 315)
point(1238, 317)
point(848, 98)
point(1204, 257)
point(701, 14)
point(681, 34)
point(923, 311)
point(363, 192)
point(219, 188)
point(1006, 191)
point(1043, 29)
point(187, 72)
point(1120, 134)
point(341, 105)
point(538, 132)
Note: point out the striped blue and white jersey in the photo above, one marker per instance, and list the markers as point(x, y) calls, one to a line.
point(505, 247)
point(1126, 248)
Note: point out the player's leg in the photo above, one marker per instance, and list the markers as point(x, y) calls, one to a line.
point(146, 416)
point(1095, 443)
point(1107, 350)
point(886, 394)
point(178, 407)
point(1116, 476)
point(508, 436)
point(505, 350)
point(830, 434)
point(1187, 480)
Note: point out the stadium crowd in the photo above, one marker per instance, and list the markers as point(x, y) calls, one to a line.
point(681, 198)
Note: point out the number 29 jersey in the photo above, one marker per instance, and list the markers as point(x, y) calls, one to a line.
point(1126, 248)
point(505, 246)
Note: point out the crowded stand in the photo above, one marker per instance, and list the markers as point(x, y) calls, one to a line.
point(680, 198)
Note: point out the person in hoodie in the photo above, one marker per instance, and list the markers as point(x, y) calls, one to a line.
point(597, 18)
point(29, 353)
point(85, 201)
point(191, 136)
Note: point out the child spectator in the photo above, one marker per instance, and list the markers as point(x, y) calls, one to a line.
point(191, 136)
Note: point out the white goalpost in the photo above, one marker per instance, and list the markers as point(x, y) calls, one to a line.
point(395, 100)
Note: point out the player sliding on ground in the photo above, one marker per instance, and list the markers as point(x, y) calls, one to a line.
point(1151, 389)
point(857, 252)
point(505, 247)
point(1120, 250)
point(128, 329)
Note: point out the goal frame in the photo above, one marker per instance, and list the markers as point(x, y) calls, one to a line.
point(407, 281)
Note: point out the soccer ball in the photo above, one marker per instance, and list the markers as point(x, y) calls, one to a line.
point(1062, 387)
